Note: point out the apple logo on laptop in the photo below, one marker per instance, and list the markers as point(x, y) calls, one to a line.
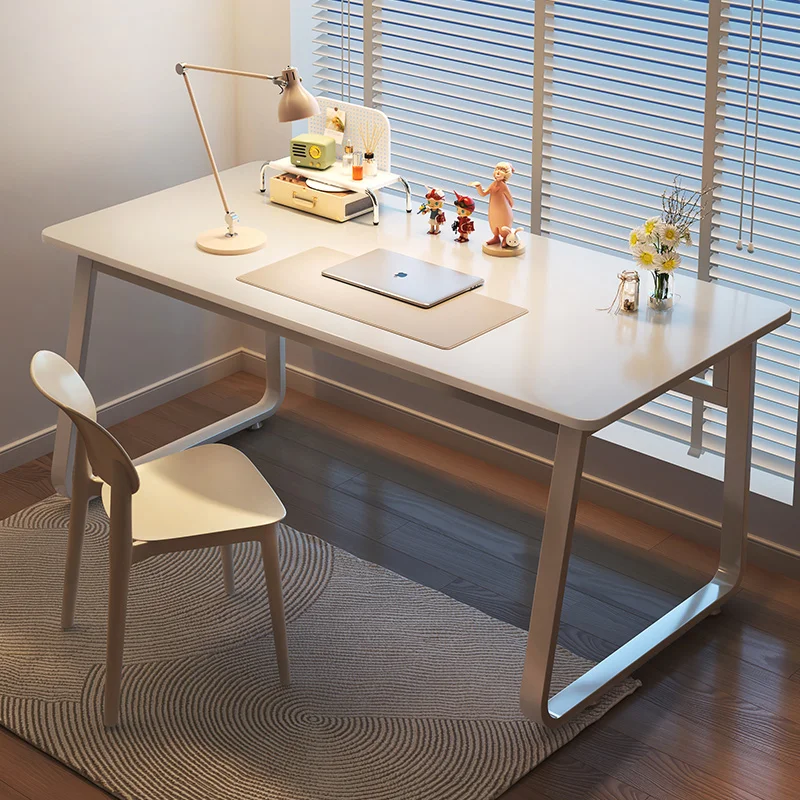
point(401, 275)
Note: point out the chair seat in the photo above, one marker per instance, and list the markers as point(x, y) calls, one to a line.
point(206, 489)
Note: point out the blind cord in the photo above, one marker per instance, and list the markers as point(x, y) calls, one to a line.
point(341, 50)
point(349, 49)
point(746, 120)
point(750, 246)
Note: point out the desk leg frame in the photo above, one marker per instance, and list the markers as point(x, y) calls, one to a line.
point(254, 415)
point(77, 349)
point(80, 321)
point(548, 596)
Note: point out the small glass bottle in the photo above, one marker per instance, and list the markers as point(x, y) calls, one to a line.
point(370, 165)
point(347, 156)
point(358, 167)
point(629, 301)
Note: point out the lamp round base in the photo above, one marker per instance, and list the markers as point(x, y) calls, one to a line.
point(247, 240)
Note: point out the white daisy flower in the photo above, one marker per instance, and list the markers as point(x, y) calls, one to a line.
point(669, 235)
point(668, 260)
point(650, 226)
point(646, 256)
point(638, 237)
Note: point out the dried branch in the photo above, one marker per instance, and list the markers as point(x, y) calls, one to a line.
point(682, 207)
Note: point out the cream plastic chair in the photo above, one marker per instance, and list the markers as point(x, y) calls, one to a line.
point(208, 496)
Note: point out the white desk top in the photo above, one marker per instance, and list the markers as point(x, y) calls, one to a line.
point(564, 361)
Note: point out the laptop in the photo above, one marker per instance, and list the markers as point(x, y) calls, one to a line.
point(403, 278)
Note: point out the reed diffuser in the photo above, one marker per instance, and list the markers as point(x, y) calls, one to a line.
point(370, 136)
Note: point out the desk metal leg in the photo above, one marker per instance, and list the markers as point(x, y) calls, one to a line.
point(80, 320)
point(554, 560)
point(269, 403)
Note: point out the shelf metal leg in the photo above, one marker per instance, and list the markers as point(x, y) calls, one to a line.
point(408, 194)
point(376, 217)
point(263, 185)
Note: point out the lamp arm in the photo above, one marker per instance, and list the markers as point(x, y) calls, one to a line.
point(230, 216)
point(207, 144)
point(296, 108)
point(276, 79)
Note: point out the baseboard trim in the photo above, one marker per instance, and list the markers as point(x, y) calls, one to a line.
point(648, 509)
point(41, 442)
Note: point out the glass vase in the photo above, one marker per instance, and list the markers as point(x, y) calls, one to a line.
point(661, 297)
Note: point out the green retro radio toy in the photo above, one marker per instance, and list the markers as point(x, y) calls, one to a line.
point(313, 151)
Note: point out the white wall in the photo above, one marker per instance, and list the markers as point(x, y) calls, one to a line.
point(263, 44)
point(93, 114)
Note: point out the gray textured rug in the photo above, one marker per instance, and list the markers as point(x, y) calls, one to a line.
point(398, 691)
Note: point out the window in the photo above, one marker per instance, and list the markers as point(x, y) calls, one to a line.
point(633, 93)
point(456, 83)
point(339, 49)
point(618, 127)
point(772, 152)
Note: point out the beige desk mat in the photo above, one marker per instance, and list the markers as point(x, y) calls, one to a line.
point(445, 326)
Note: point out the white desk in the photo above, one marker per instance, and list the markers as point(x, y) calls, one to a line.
point(564, 366)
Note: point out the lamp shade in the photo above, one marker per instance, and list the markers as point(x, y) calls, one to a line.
point(296, 102)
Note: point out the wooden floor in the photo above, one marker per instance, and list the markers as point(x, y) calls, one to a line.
point(718, 717)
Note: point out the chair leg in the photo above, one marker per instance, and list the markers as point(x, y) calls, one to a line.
point(77, 525)
point(229, 576)
point(272, 572)
point(121, 544)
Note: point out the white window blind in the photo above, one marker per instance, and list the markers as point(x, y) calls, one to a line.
point(455, 82)
point(618, 127)
point(339, 49)
point(773, 269)
point(624, 109)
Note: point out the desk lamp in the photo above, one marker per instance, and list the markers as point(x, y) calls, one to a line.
point(295, 103)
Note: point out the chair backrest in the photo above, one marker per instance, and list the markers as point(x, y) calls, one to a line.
point(58, 381)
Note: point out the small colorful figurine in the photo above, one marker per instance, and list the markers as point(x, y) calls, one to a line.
point(501, 213)
point(434, 201)
point(463, 226)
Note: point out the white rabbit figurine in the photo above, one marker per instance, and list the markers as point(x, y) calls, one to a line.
point(510, 237)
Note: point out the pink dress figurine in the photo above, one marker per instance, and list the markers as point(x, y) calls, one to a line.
point(501, 203)
point(434, 201)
